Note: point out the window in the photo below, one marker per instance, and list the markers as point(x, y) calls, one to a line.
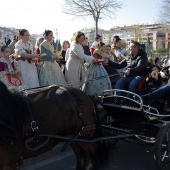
point(161, 35)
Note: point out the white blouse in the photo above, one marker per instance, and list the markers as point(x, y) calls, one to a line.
point(21, 47)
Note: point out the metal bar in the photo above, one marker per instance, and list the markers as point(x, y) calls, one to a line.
point(127, 92)
point(88, 140)
point(114, 128)
point(122, 107)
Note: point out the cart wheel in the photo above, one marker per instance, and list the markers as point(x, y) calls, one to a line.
point(162, 147)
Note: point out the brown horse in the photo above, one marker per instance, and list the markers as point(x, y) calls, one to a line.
point(57, 111)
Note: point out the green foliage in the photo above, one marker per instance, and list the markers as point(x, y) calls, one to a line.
point(161, 50)
point(59, 45)
point(54, 44)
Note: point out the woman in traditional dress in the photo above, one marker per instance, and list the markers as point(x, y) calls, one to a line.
point(49, 72)
point(37, 45)
point(97, 80)
point(8, 73)
point(25, 65)
point(12, 44)
point(37, 49)
point(74, 71)
point(65, 46)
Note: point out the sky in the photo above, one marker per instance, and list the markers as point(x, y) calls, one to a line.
point(38, 15)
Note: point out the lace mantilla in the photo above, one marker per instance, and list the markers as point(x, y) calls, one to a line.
point(48, 45)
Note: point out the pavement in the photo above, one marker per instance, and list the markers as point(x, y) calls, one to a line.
point(53, 157)
point(123, 156)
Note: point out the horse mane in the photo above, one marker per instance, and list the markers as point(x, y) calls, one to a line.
point(13, 108)
point(11, 98)
point(4, 94)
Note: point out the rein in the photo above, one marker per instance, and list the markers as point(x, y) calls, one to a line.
point(85, 127)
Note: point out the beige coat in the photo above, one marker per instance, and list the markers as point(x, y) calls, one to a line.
point(74, 71)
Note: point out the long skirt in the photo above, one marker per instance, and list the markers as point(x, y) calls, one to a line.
point(50, 73)
point(29, 75)
point(97, 81)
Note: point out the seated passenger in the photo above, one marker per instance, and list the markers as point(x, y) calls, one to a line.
point(157, 94)
point(8, 73)
point(134, 72)
point(112, 72)
point(151, 62)
point(118, 52)
point(154, 80)
point(158, 63)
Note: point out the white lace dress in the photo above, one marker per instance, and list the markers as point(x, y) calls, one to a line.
point(28, 70)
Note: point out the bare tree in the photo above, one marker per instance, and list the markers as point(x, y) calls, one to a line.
point(95, 8)
point(165, 11)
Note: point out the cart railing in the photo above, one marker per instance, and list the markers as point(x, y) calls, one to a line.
point(122, 101)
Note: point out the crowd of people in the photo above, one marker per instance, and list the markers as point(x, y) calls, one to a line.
point(83, 67)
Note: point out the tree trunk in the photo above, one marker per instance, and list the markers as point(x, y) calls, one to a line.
point(96, 22)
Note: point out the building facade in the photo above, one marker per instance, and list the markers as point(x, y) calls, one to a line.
point(158, 34)
point(8, 33)
point(106, 35)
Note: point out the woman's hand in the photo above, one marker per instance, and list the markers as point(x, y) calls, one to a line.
point(39, 56)
point(18, 57)
point(122, 57)
point(127, 72)
point(17, 74)
point(163, 75)
point(13, 56)
point(106, 61)
point(94, 61)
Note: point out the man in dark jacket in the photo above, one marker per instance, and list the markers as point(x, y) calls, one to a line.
point(135, 71)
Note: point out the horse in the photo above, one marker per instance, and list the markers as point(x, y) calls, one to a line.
point(56, 110)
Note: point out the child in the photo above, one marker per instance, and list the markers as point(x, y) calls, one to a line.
point(8, 73)
point(97, 80)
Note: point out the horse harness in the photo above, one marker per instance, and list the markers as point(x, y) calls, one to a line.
point(31, 123)
point(85, 127)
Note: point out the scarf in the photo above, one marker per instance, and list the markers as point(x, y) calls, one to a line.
point(48, 45)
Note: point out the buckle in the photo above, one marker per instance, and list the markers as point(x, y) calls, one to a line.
point(34, 126)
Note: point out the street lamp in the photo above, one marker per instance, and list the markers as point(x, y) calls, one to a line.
point(56, 33)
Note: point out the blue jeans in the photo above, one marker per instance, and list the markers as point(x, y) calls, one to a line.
point(129, 83)
point(157, 94)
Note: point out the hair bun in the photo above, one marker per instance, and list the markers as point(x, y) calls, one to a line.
point(46, 32)
point(116, 38)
